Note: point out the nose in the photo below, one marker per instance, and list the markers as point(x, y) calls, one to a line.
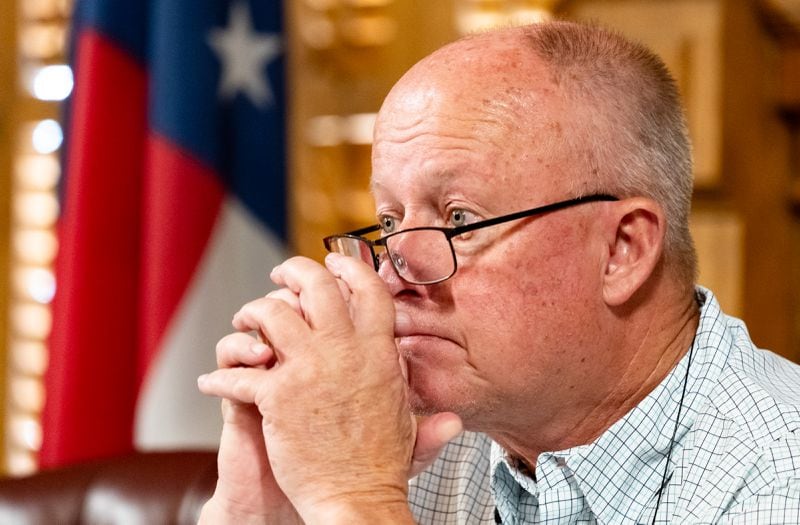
point(389, 273)
point(395, 255)
point(399, 262)
point(390, 276)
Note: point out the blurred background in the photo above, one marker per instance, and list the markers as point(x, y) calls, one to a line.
point(157, 160)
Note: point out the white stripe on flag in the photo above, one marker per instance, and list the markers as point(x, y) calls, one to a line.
point(171, 413)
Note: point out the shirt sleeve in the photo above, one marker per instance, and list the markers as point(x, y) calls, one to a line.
point(778, 501)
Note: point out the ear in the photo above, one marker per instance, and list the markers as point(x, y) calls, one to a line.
point(635, 247)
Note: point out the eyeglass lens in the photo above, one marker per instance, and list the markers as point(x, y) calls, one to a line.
point(419, 256)
point(351, 247)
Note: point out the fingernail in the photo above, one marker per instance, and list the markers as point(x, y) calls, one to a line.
point(402, 322)
point(450, 429)
point(202, 379)
point(258, 348)
point(332, 261)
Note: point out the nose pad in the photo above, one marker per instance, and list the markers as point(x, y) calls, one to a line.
point(385, 268)
point(389, 273)
point(399, 262)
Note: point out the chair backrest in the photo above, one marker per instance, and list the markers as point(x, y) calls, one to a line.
point(142, 488)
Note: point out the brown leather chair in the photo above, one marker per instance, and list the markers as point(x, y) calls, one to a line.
point(142, 488)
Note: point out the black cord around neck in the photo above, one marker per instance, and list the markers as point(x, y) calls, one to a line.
point(497, 518)
point(674, 434)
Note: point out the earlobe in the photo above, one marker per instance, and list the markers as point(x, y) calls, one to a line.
point(635, 248)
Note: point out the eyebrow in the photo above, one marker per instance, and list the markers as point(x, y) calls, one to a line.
point(439, 180)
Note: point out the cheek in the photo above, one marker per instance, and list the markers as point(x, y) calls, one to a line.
point(496, 310)
point(529, 297)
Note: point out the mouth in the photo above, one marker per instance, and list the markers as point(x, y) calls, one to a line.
point(417, 335)
point(407, 328)
point(427, 348)
point(414, 338)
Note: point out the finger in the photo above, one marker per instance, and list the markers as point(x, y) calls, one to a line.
point(276, 321)
point(240, 349)
point(320, 296)
point(403, 364)
point(433, 433)
point(344, 290)
point(370, 299)
point(241, 385)
point(240, 414)
point(288, 297)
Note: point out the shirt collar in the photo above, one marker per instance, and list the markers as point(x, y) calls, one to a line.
point(621, 471)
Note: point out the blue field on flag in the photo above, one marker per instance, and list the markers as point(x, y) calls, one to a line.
point(173, 214)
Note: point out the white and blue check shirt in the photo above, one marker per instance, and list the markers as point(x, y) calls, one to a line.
point(736, 457)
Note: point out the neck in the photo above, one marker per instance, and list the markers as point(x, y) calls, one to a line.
point(653, 340)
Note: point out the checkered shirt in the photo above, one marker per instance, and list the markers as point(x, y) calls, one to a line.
point(736, 457)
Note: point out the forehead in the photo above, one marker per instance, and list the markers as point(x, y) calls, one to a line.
point(498, 144)
point(481, 116)
point(444, 156)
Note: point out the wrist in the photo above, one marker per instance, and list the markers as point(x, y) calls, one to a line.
point(216, 512)
point(356, 510)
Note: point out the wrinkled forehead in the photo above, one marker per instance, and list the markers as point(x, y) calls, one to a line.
point(488, 73)
point(480, 112)
point(450, 112)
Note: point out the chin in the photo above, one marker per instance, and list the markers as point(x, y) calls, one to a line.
point(431, 392)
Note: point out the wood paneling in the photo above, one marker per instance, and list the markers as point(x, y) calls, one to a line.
point(344, 58)
point(7, 122)
point(757, 166)
point(740, 83)
point(690, 45)
point(740, 78)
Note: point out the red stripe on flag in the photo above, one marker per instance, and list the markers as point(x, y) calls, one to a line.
point(182, 201)
point(138, 214)
point(91, 377)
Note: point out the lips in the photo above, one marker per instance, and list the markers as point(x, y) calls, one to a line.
point(406, 327)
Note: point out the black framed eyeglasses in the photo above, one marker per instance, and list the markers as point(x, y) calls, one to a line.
point(425, 255)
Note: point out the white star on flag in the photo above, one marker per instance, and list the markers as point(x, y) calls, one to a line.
point(244, 54)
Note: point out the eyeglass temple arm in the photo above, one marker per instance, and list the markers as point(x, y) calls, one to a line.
point(355, 233)
point(363, 231)
point(458, 230)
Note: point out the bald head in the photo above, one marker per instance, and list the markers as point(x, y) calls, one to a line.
point(603, 111)
point(493, 76)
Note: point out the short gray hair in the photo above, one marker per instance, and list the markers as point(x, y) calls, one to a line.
point(633, 132)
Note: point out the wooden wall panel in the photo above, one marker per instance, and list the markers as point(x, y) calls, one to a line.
point(734, 74)
point(738, 79)
point(7, 121)
point(344, 57)
point(690, 45)
point(757, 165)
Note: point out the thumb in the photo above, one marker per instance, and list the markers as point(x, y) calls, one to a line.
point(433, 433)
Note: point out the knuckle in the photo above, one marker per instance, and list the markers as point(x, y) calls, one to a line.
point(251, 309)
point(231, 349)
point(223, 347)
point(239, 388)
point(253, 315)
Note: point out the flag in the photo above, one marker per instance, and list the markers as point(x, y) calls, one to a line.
point(173, 214)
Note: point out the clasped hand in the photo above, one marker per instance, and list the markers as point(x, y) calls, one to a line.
point(316, 425)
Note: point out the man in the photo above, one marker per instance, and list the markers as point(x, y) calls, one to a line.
point(595, 382)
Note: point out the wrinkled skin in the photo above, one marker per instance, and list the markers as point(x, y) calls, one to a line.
point(331, 347)
point(552, 328)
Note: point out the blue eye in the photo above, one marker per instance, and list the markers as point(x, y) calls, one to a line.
point(459, 217)
point(387, 224)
